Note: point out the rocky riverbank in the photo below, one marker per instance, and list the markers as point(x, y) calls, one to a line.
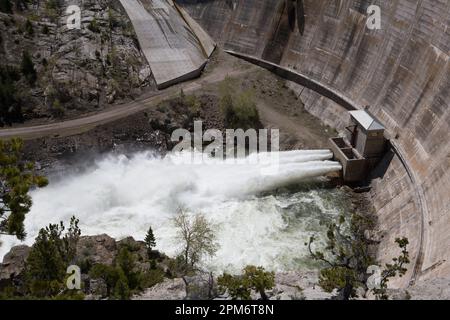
point(102, 249)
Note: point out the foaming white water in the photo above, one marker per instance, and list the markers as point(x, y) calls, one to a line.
point(122, 196)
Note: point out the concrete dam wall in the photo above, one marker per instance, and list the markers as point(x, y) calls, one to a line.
point(402, 72)
point(174, 45)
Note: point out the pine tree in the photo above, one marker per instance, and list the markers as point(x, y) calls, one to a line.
point(150, 241)
point(49, 258)
point(16, 179)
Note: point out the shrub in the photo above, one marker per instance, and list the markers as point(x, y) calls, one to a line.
point(239, 109)
point(29, 28)
point(253, 278)
point(93, 26)
point(6, 6)
point(27, 67)
point(150, 278)
point(10, 110)
point(57, 110)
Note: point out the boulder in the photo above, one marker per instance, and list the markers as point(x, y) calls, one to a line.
point(139, 250)
point(98, 288)
point(200, 287)
point(298, 285)
point(101, 249)
point(14, 262)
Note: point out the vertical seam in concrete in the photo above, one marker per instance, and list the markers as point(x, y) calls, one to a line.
point(192, 29)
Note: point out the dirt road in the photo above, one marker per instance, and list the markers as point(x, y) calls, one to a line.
point(83, 124)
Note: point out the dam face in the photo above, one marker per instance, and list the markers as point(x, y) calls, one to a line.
point(400, 71)
point(174, 46)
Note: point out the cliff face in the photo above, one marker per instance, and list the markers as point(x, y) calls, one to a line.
point(401, 72)
point(78, 70)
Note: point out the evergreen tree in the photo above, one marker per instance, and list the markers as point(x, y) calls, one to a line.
point(109, 274)
point(27, 67)
point(16, 179)
point(49, 258)
point(10, 110)
point(149, 240)
point(122, 289)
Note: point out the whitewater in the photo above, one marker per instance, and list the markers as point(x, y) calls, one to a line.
point(257, 220)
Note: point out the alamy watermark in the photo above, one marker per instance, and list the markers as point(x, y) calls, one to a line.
point(239, 147)
point(74, 18)
point(373, 17)
point(73, 281)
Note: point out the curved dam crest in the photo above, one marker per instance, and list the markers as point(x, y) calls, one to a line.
point(400, 72)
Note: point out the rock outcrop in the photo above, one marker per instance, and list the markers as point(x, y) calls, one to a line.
point(78, 70)
point(97, 249)
point(170, 289)
point(13, 265)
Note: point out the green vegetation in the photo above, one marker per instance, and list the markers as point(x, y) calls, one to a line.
point(49, 258)
point(29, 28)
point(93, 26)
point(347, 258)
point(56, 109)
point(52, 4)
point(192, 102)
point(6, 6)
point(114, 21)
point(27, 68)
point(391, 270)
point(239, 109)
point(197, 238)
point(241, 286)
point(124, 277)
point(51, 9)
point(150, 241)
point(17, 177)
point(10, 109)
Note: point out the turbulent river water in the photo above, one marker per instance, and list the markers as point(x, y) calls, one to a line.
point(259, 219)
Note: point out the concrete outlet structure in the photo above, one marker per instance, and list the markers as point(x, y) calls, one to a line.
point(363, 147)
point(339, 64)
